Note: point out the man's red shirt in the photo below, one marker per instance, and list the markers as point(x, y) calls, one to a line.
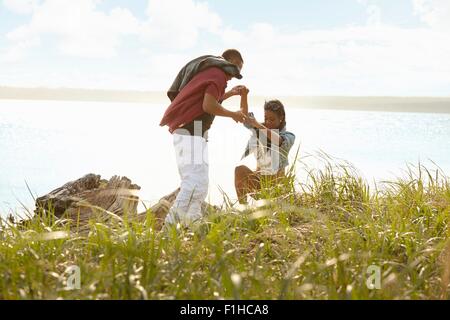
point(188, 104)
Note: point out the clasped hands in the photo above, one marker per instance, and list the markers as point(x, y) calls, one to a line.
point(242, 91)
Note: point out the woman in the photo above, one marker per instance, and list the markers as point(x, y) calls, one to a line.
point(270, 142)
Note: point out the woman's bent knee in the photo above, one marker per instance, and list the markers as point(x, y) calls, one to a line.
point(241, 170)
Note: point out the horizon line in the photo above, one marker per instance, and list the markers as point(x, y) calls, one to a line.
point(421, 104)
point(136, 91)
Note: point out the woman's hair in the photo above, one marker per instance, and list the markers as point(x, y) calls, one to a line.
point(277, 107)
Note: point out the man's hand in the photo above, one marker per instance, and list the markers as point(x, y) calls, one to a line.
point(212, 106)
point(235, 91)
point(239, 116)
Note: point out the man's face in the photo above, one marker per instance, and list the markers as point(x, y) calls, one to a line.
point(238, 63)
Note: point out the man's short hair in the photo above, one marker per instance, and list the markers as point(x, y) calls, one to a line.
point(232, 54)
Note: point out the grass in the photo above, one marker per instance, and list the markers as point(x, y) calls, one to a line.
point(315, 243)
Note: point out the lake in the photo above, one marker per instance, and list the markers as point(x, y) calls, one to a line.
point(48, 143)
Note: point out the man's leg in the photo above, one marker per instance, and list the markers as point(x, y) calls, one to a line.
point(193, 170)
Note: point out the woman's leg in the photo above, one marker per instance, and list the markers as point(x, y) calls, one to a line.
point(245, 182)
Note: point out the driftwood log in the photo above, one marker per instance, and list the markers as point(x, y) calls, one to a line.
point(93, 198)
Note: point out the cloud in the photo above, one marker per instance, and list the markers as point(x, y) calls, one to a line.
point(373, 11)
point(373, 58)
point(177, 24)
point(82, 30)
point(435, 13)
point(19, 50)
point(21, 6)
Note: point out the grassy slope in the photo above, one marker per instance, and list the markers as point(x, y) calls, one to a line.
point(314, 244)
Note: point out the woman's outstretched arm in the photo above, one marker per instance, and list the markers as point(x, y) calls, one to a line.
point(272, 135)
point(244, 100)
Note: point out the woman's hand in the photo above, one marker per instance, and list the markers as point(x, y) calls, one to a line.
point(251, 121)
point(243, 91)
point(235, 91)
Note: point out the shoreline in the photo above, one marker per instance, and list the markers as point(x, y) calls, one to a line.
point(353, 103)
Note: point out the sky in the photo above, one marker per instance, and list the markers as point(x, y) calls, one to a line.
point(298, 48)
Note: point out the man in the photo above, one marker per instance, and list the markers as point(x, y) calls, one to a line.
point(196, 96)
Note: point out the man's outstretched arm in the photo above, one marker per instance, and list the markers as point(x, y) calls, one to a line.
point(235, 91)
point(212, 106)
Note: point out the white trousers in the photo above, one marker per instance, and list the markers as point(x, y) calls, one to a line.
point(192, 160)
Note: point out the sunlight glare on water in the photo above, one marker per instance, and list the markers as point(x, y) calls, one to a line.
point(48, 143)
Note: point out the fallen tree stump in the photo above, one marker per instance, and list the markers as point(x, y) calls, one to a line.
point(93, 198)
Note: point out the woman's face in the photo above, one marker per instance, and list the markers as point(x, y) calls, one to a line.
point(272, 120)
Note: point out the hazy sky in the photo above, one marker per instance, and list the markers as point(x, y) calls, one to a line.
point(320, 47)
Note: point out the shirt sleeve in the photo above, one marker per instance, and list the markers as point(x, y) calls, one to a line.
point(213, 90)
point(288, 141)
point(217, 83)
